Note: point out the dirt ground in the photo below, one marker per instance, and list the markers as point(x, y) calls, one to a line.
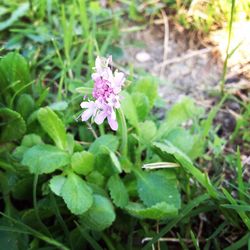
point(186, 63)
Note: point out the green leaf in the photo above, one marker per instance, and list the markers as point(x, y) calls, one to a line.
point(167, 150)
point(25, 105)
point(44, 159)
point(12, 125)
point(31, 140)
point(118, 191)
point(100, 145)
point(76, 194)
point(115, 161)
point(158, 187)
point(59, 106)
point(159, 211)
point(14, 72)
point(147, 131)
point(142, 105)
point(129, 109)
point(21, 189)
point(82, 162)
point(148, 86)
point(182, 139)
point(100, 216)
point(182, 111)
point(11, 239)
point(15, 15)
point(53, 125)
point(19, 152)
point(56, 183)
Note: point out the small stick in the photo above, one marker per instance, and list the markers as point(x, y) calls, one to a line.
point(166, 39)
point(184, 57)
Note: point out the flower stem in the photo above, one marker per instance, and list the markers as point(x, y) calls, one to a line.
point(124, 131)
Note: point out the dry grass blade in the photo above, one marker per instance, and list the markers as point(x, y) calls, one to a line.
point(159, 165)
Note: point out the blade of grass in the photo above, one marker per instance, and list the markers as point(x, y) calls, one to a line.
point(239, 176)
point(185, 212)
point(87, 237)
point(37, 234)
point(242, 214)
point(240, 243)
point(195, 241)
point(84, 18)
point(43, 227)
point(223, 80)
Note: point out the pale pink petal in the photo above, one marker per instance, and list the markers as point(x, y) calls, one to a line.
point(98, 64)
point(86, 114)
point(85, 105)
point(113, 115)
point(95, 76)
point(100, 116)
point(112, 123)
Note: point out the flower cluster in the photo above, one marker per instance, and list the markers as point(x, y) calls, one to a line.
point(107, 87)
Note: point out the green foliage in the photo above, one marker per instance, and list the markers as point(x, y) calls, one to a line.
point(159, 211)
point(158, 187)
point(147, 86)
point(25, 105)
point(76, 194)
point(42, 159)
point(118, 191)
point(12, 127)
point(19, 12)
point(103, 143)
point(14, 73)
point(100, 216)
point(53, 125)
point(152, 169)
point(129, 109)
point(56, 184)
point(82, 162)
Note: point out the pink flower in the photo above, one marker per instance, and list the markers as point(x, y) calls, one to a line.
point(107, 87)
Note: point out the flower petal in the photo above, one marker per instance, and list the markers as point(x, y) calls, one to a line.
point(85, 105)
point(87, 114)
point(100, 116)
point(112, 123)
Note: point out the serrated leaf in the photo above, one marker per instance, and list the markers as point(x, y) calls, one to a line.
point(148, 86)
point(82, 162)
point(53, 125)
point(100, 216)
point(142, 105)
point(156, 187)
point(129, 109)
point(12, 125)
point(147, 131)
point(100, 145)
point(77, 194)
point(182, 139)
point(180, 112)
point(44, 159)
point(56, 183)
point(159, 211)
point(118, 191)
point(167, 149)
point(115, 161)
